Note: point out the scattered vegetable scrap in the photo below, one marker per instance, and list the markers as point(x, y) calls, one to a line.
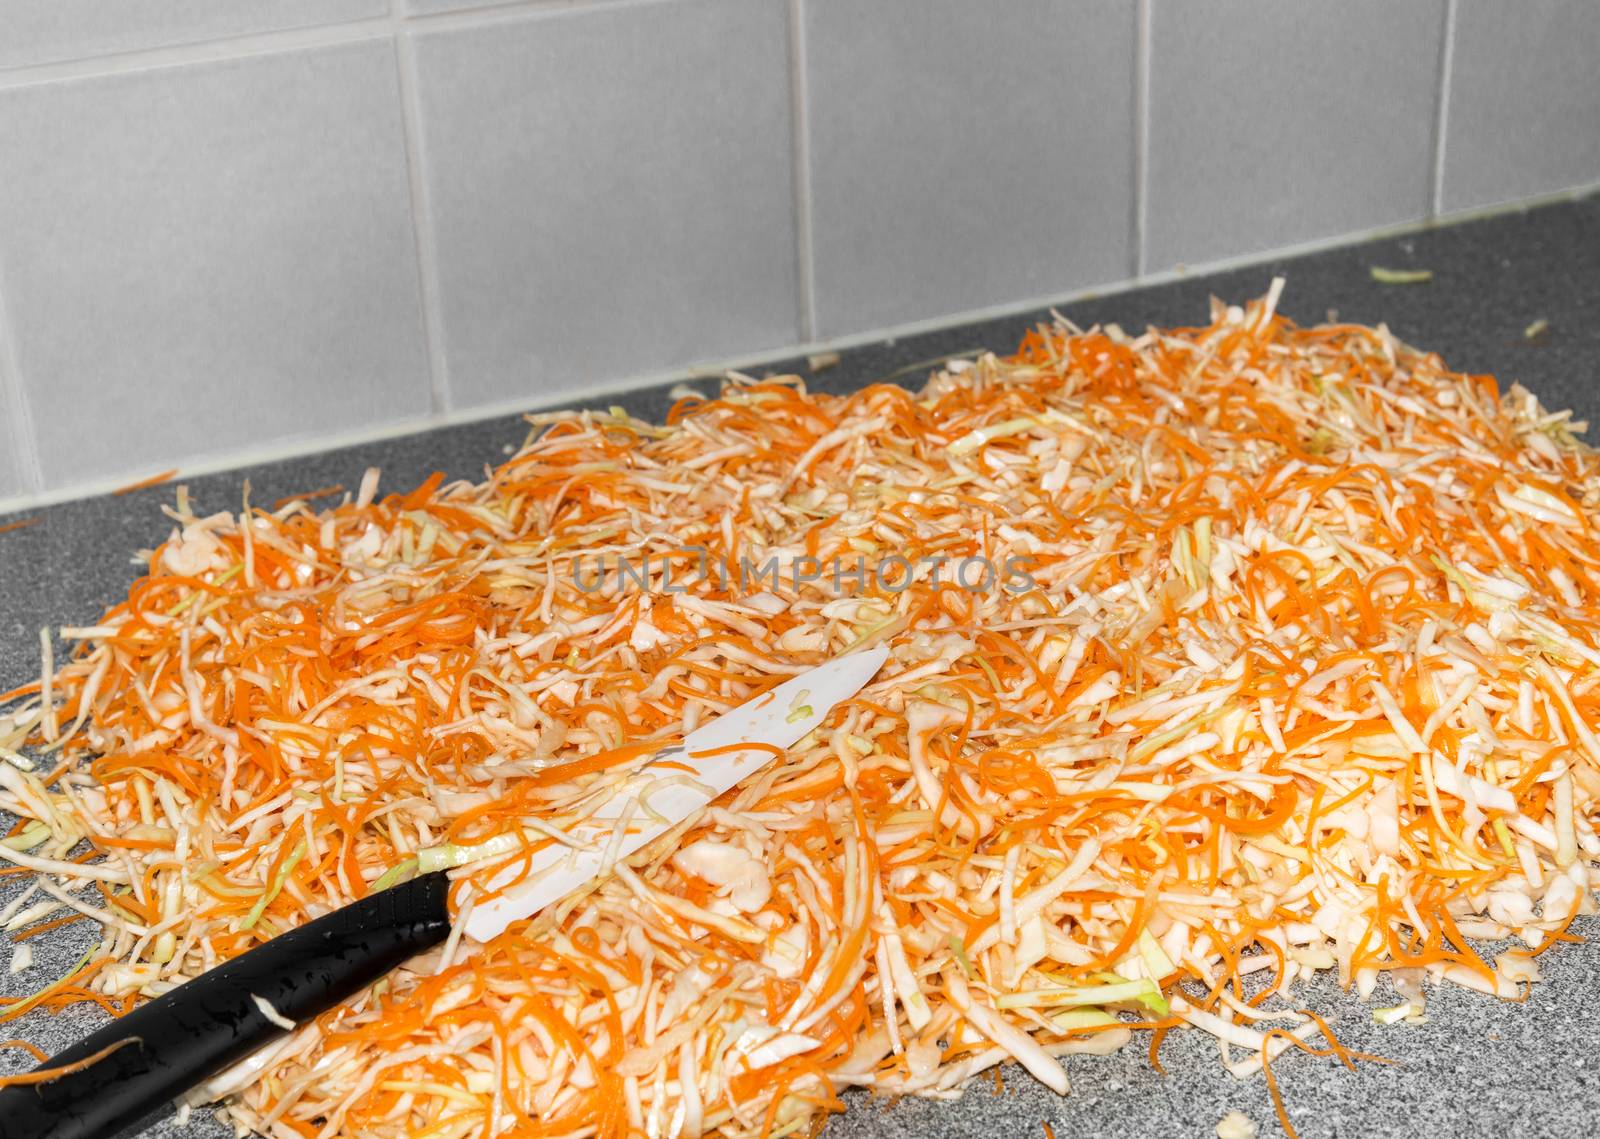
point(1401, 276)
point(1306, 676)
point(1236, 1125)
point(21, 958)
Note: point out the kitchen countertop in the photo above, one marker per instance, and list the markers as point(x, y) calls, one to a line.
point(1477, 1067)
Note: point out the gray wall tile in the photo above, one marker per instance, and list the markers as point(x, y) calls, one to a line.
point(611, 192)
point(1274, 123)
point(1524, 101)
point(45, 31)
point(205, 259)
point(962, 158)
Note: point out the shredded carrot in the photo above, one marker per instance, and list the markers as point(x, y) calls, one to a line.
point(1272, 1086)
point(309, 496)
point(153, 480)
point(46, 1075)
point(1156, 1038)
point(46, 927)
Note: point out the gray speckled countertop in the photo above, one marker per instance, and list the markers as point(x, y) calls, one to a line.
point(1476, 1067)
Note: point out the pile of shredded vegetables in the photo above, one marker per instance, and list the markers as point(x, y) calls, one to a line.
point(1307, 678)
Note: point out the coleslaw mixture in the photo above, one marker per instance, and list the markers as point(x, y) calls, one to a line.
point(1305, 676)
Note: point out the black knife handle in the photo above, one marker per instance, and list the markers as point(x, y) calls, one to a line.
point(201, 1027)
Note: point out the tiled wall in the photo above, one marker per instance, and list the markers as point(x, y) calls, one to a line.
point(235, 226)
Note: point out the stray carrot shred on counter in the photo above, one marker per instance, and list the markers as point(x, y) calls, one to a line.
point(142, 484)
point(309, 496)
point(1219, 657)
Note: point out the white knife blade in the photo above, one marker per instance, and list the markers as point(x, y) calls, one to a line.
point(779, 718)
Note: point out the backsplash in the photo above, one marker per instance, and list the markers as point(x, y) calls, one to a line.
point(241, 227)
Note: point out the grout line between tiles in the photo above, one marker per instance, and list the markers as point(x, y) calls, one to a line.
point(428, 281)
point(1441, 121)
point(24, 447)
point(490, 11)
point(493, 14)
point(484, 6)
point(285, 39)
point(709, 370)
point(204, 51)
point(800, 128)
point(1141, 134)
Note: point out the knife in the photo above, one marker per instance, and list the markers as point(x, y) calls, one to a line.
point(139, 1063)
